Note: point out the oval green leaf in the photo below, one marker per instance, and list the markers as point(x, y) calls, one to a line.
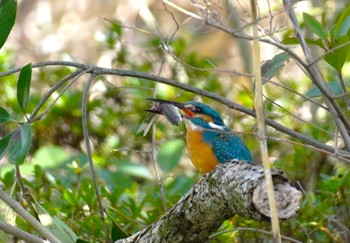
point(169, 154)
point(315, 26)
point(23, 86)
point(19, 144)
point(8, 10)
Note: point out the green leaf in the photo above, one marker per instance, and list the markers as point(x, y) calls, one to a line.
point(317, 42)
point(19, 144)
point(117, 233)
point(169, 154)
point(338, 57)
point(315, 26)
point(4, 143)
point(271, 67)
point(5, 116)
point(291, 41)
point(315, 91)
point(62, 231)
point(23, 86)
point(134, 169)
point(296, 41)
point(55, 225)
point(7, 19)
point(342, 25)
point(345, 179)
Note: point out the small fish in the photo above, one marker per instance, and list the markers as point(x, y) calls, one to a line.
point(170, 111)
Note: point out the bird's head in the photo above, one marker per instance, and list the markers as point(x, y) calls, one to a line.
point(202, 116)
point(197, 115)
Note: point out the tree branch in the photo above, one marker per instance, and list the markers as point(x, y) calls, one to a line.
point(345, 155)
point(232, 188)
point(12, 230)
point(28, 217)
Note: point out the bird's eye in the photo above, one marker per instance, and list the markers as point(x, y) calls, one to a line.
point(198, 109)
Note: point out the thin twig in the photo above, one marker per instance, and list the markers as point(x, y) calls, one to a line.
point(298, 117)
point(24, 193)
point(89, 154)
point(156, 169)
point(153, 150)
point(338, 115)
point(297, 93)
point(20, 234)
point(235, 33)
point(74, 76)
point(28, 217)
point(51, 91)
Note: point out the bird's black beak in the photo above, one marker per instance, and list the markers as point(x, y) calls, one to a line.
point(170, 109)
point(157, 109)
point(161, 101)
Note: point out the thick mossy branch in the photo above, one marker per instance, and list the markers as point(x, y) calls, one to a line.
point(232, 188)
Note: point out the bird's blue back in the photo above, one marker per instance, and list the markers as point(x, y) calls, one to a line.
point(227, 146)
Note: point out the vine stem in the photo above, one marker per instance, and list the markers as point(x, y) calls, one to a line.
point(89, 154)
point(259, 107)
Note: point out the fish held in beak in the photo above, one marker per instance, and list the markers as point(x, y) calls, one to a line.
point(170, 109)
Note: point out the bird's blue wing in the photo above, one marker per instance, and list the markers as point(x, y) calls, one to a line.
point(229, 146)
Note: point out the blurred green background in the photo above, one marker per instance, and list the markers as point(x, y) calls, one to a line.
point(136, 35)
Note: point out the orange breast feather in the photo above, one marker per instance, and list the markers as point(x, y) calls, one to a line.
point(200, 152)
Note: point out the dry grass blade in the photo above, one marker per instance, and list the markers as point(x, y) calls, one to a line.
point(258, 104)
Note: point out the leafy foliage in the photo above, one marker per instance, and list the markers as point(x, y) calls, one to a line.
point(56, 171)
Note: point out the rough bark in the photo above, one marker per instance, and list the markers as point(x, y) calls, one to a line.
point(232, 188)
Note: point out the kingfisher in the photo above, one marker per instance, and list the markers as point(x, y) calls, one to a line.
point(209, 141)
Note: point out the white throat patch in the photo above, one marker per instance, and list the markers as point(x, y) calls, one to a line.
point(192, 126)
point(218, 127)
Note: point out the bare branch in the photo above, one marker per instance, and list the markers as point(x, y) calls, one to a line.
point(20, 234)
point(89, 154)
point(120, 72)
point(27, 217)
point(74, 76)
